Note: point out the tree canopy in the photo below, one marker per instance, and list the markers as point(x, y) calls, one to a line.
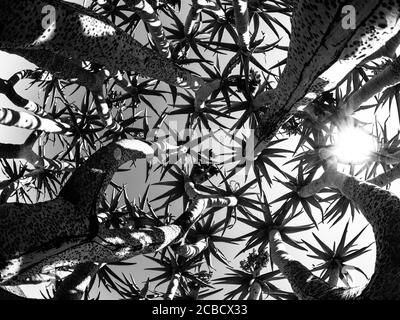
point(248, 125)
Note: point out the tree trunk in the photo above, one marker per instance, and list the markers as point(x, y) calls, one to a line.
point(241, 11)
point(387, 177)
point(192, 250)
point(389, 77)
point(65, 231)
point(173, 286)
point(24, 120)
point(255, 291)
point(334, 278)
point(322, 52)
point(381, 208)
point(82, 35)
point(73, 286)
point(305, 285)
point(11, 293)
point(153, 23)
point(193, 18)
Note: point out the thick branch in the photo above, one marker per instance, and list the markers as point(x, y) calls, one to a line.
point(192, 250)
point(255, 291)
point(70, 217)
point(108, 246)
point(61, 67)
point(388, 77)
point(387, 177)
point(80, 34)
point(73, 287)
point(319, 65)
point(65, 68)
point(241, 11)
point(388, 50)
point(24, 120)
point(7, 88)
point(71, 221)
point(381, 209)
point(90, 180)
point(149, 16)
point(305, 285)
point(11, 293)
point(120, 244)
point(173, 286)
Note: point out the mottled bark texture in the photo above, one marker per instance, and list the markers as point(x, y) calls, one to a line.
point(31, 233)
point(322, 51)
point(73, 32)
point(36, 238)
point(73, 286)
point(381, 208)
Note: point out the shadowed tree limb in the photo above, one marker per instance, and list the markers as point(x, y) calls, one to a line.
point(381, 209)
point(305, 285)
point(61, 67)
point(387, 177)
point(24, 120)
point(318, 66)
point(7, 88)
point(388, 50)
point(65, 68)
point(173, 286)
point(74, 285)
point(241, 11)
point(153, 23)
point(21, 151)
point(198, 6)
point(12, 293)
point(71, 234)
point(193, 249)
point(388, 77)
point(92, 39)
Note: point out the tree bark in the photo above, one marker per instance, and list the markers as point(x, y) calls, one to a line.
point(387, 78)
point(82, 35)
point(305, 285)
point(381, 208)
point(334, 278)
point(387, 177)
point(7, 88)
point(192, 250)
point(241, 11)
point(173, 286)
point(255, 291)
point(11, 293)
point(321, 53)
point(153, 23)
point(73, 286)
point(65, 231)
point(24, 120)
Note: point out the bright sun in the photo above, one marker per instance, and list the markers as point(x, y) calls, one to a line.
point(353, 145)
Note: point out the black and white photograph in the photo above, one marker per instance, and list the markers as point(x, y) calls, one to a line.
point(195, 155)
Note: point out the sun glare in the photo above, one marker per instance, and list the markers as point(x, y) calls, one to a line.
point(353, 145)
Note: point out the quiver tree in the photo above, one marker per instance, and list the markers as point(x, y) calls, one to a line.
point(93, 49)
